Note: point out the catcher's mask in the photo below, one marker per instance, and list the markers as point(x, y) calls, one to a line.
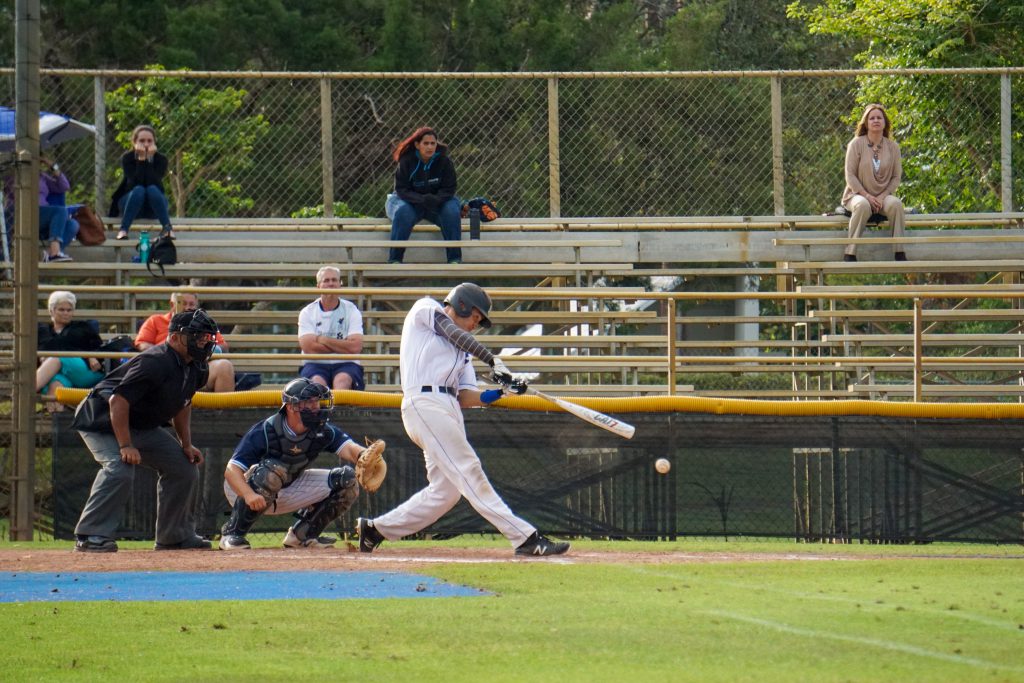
point(467, 296)
point(301, 390)
point(200, 333)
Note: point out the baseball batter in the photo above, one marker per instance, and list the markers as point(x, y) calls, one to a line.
point(438, 380)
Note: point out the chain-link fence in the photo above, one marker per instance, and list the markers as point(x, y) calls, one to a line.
point(812, 478)
point(674, 144)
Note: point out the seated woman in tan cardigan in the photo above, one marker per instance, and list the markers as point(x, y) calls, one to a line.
point(873, 172)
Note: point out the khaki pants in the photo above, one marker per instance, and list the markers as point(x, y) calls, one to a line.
point(860, 208)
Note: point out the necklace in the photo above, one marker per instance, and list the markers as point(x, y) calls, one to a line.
point(876, 165)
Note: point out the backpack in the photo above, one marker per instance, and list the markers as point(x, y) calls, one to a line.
point(162, 253)
point(120, 343)
point(488, 211)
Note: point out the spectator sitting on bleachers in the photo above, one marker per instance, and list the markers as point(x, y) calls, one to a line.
point(425, 187)
point(55, 226)
point(65, 334)
point(873, 172)
point(331, 325)
point(141, 192)
point(154, 331)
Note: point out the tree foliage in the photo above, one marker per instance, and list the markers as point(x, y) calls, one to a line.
point(199, 130)
point(948, 126)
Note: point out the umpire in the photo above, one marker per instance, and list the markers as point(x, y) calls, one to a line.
point(124, 422)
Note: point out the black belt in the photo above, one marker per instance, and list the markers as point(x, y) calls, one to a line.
point(451, 391)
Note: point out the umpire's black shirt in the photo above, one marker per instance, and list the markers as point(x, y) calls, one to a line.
point(157, 384)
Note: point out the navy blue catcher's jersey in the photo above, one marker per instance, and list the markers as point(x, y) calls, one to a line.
point(296, 451)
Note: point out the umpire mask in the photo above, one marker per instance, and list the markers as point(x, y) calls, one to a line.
point(300, 392)
point(200, 332)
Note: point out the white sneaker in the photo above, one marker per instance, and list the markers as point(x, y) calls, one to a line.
point(318, 543)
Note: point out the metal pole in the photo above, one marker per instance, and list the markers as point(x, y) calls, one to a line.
point(99, 108)
point(554, 154)
point(918, 350)
point(778, 184)
point(1005, 156)
point(26, 240)
point(327, 145)
point(671, 329)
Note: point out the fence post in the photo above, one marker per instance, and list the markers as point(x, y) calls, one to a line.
point(918, 350)
point(670, 320)
point(327, 146)
point(99, 111)
point(778, 186)
point(554, 155)
point(26, 273)
point(1005, 116)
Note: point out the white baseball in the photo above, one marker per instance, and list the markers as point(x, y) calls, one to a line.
point(662, 465)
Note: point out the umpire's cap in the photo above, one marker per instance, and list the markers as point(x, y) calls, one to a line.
point(467, 296)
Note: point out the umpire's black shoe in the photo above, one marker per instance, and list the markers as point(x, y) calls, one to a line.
point(369, 537)
point(194, 543)
point(95, 544)
point(233, 542)
point(537, 545)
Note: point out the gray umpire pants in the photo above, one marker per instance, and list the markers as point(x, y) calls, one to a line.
point(175, 489)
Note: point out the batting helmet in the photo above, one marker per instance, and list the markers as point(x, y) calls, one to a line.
point(197, 326)
point(467, 296)
point(302, 389)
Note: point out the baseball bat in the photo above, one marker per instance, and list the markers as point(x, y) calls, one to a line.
point(592, 416)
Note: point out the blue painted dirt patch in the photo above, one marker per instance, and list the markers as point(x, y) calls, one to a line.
point(246, 585)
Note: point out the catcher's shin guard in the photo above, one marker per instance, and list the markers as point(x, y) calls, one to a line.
point(316, 517)
point(241, 520)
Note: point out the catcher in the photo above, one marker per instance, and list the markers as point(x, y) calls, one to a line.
point(269, 470)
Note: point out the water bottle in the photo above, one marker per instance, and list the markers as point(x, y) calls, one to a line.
point(144, 247)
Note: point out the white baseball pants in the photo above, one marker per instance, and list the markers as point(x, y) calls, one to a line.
point(434, 423)
point(309, 488)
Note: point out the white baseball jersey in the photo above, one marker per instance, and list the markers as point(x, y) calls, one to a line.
point(344, 320)
point(428, 359)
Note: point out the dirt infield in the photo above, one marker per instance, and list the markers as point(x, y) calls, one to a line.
point(346, 557)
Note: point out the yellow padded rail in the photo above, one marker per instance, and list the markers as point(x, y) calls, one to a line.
point(270, 398)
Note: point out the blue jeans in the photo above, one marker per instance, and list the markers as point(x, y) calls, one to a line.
point(131, 204)
point(447, 218)
point(53, 224)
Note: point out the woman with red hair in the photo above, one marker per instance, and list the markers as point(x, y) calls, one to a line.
point(425, 188)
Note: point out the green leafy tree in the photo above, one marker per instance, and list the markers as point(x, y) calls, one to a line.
point(203, 131)
point(948, 126)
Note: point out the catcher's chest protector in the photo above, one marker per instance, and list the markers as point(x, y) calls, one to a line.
point(297, 452)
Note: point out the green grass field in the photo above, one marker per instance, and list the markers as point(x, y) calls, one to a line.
point(931, 613)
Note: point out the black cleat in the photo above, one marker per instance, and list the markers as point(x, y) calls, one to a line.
point(194, 543)
point(537, 545)
point(95, 544)
point(369, 537)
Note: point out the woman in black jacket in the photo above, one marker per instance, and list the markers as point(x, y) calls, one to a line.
point(425, 187)
point(65, 334)
point(142, 190)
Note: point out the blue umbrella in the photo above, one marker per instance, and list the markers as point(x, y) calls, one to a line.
point(53, 129)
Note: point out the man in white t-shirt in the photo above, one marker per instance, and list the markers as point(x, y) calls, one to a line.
point(331, 325)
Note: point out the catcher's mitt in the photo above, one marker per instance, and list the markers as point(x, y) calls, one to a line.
point(370, 466)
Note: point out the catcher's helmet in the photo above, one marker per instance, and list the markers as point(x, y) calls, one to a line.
point(467, 296)
point(301, 390)
point(197, 326)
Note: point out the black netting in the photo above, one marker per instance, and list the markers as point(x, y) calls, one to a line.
point(855, 478)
